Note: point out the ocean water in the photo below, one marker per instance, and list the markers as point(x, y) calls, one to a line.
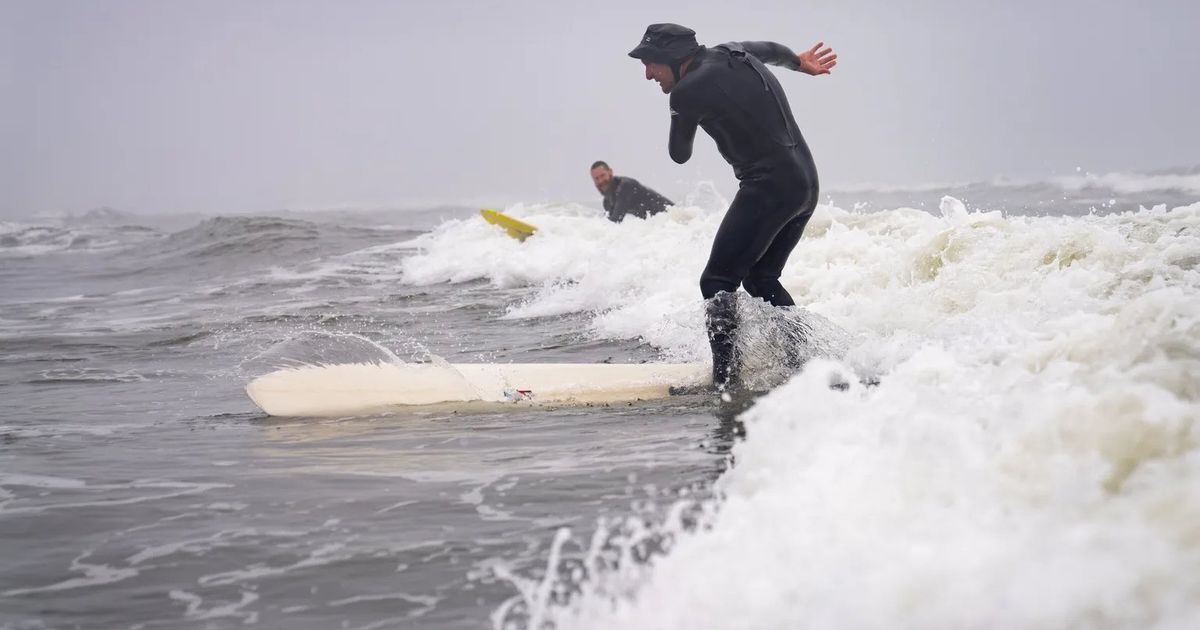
point(1025, 454)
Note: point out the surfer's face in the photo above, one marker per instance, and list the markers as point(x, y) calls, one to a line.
point(660, 72)
point(602, 178)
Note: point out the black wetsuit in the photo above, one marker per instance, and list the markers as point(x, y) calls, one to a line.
point(729, 92)
point(628, 197)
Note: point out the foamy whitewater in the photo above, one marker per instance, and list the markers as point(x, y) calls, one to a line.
point(1029, 458)
point(1013, 443)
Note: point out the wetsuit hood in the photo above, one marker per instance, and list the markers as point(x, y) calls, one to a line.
point(671, 44)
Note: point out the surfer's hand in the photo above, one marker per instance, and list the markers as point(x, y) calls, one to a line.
point(816, 60)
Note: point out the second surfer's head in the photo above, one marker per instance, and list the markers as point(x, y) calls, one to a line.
point(602, 176)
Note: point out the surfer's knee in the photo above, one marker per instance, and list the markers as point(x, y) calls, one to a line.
point(713, 283)
point(717, 278)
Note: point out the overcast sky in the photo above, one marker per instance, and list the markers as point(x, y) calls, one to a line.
point(159, 106)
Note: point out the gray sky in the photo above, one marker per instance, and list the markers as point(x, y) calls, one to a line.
point(159, 106)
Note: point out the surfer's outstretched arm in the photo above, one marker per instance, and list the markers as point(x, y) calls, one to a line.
point(819, 59)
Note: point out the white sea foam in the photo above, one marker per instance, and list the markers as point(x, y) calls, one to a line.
point(1029, 458)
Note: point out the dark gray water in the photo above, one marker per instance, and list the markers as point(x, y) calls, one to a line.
point(139, 487)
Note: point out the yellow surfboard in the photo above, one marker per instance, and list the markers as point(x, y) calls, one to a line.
point(516, 228)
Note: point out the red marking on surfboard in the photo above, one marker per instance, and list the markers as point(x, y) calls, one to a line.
point(517, 395)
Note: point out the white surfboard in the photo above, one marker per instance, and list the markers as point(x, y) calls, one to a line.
point(355, 388)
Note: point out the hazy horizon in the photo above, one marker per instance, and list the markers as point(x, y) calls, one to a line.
point(153, 107)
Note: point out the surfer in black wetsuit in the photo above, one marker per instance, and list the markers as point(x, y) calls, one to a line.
point(625, 196)
point(729, 92)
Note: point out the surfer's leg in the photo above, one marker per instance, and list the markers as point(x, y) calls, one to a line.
point(762, 280)
point(745, 234)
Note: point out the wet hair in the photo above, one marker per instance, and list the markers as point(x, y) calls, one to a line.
point(598, 163)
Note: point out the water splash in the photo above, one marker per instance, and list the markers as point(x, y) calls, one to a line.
point(325, 348)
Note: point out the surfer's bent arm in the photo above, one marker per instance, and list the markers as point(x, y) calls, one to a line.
point(773, 54)
point(683, 132)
